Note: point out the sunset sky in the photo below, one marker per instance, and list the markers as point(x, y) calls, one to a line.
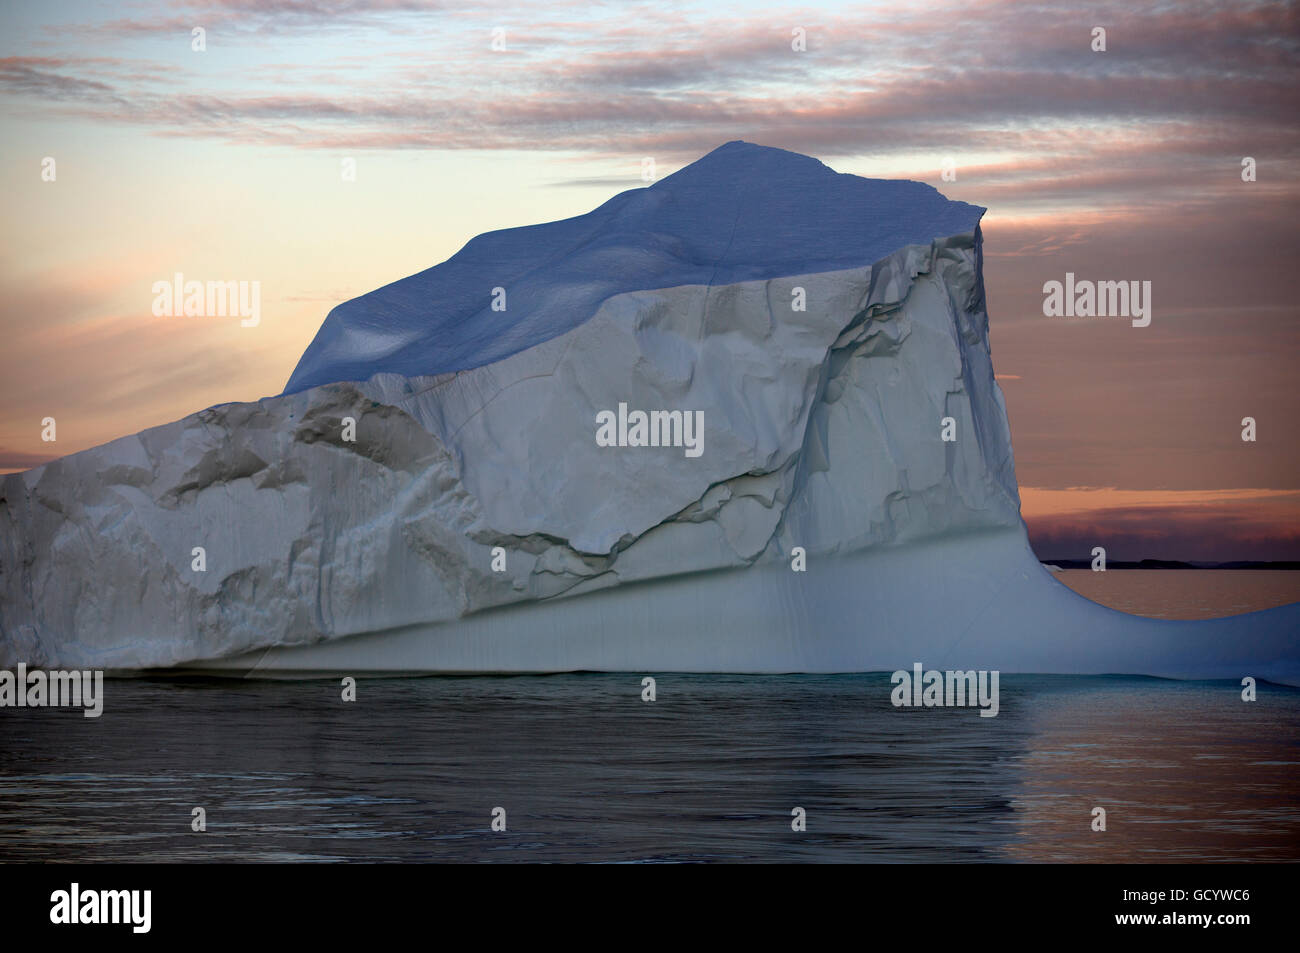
point(1117, 165)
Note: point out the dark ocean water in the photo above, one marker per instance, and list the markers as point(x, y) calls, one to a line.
point(711, 770)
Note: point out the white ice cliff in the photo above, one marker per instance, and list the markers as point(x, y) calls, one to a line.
point(475, 434)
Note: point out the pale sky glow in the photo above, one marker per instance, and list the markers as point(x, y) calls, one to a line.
point(225, 165)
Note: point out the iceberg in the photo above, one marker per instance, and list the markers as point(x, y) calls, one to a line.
point(490, 466)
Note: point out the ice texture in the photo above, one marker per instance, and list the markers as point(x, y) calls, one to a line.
point(741, 213)
point(475, 429)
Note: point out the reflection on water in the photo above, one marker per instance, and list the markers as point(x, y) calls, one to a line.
point(709, 771)
point(1185, 770)
point(1185, 593)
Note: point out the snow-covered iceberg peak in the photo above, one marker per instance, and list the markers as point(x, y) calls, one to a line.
point(741, 213)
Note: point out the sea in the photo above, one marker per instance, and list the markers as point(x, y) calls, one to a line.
point(716, 768)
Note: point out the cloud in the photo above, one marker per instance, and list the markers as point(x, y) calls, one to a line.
point(22, 460)
point(608, 182)
point(35, 76)
point(1209, 525)
point(1204, 533)
point(272, 16)
point(1173, 85)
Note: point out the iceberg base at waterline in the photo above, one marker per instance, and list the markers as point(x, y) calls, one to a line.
point(978, 600)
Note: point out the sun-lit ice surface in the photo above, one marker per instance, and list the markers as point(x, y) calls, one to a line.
point(476, 432)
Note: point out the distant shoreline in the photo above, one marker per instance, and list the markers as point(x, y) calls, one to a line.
point(1171, 564)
